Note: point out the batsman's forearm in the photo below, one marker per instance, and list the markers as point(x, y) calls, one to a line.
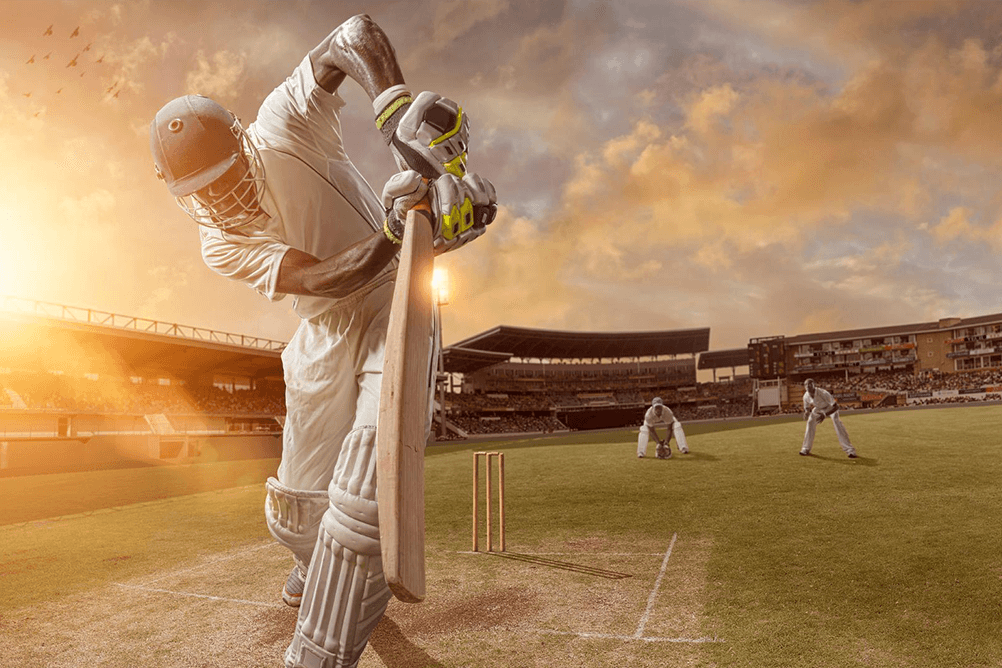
point(339, 275)
point(358, 48)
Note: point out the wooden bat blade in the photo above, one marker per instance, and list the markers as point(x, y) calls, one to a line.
point(403, 411)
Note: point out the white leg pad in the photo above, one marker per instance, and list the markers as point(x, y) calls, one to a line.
point(680, 437)
point(345, 593)
point(293, 518)
point(642, 439)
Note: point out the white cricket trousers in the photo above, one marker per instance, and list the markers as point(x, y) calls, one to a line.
point(843, 435)
point(333, 372)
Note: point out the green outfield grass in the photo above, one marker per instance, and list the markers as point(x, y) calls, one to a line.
point(893, 559)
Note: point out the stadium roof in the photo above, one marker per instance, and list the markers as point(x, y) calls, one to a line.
point(466, 360)
point(895, 330)
point(549, 344)
point(57, 341)
point(722, 359)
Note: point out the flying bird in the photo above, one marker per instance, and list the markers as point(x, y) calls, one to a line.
point(28, 94)
point(31, 60)
point(87, 48)
point(48, 31)
point(47, 55)
point(117, 92)
point(76, 31)
point(37, 113)
point(73, 63)
point(59, 91)
point(83, 73)
point(100, 60)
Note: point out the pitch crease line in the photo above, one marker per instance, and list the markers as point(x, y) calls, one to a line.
point(610, 636)
point(233, 555)
point(206, 596)
point(654, 592)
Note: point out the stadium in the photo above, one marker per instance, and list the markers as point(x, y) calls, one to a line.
point(109, 419)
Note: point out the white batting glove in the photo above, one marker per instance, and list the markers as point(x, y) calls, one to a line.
point(401, 192)
point(462, 209)
point(429, 134)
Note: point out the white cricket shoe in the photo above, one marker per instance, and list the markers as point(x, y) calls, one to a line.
point(292, 592)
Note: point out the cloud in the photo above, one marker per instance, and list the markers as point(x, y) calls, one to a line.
point(220, 76)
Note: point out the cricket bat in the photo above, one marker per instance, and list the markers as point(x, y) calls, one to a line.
point(403, 410)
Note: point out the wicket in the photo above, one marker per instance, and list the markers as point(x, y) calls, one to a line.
point(476, 498)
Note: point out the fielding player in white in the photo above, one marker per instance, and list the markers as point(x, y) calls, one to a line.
point(819, 404)
point(660, 415)
point(282, 209)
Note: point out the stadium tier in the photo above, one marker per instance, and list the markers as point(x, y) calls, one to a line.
point(81, 388)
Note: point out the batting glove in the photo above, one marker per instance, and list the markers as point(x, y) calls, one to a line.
point(463, 208)
point(429, 134)
point(400, 194)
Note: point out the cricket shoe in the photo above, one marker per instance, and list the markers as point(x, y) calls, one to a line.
point(852, 456)
point(805, 454)
point(292, 592)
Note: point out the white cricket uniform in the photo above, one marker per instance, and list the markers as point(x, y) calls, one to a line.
point(822, 403)
point(667, 420)
point(317, 201)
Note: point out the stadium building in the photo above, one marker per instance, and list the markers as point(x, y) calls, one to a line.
point(83, 389)
point(518, 379)
point(949, 346)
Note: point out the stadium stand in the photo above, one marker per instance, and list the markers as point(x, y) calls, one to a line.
point(84, 389)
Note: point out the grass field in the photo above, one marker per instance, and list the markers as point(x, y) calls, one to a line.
point(739, 554)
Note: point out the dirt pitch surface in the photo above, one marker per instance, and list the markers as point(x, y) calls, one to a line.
point(587, 602)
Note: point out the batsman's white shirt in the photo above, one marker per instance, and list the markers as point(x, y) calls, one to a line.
point(651, 418)
point(319, 203)
point(823, 400)
point(315, 198)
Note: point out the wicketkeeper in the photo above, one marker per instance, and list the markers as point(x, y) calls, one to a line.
point(282, 209)
point(818, 405)
point(660, 415)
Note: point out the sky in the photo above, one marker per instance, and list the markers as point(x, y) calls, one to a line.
point(759, 167)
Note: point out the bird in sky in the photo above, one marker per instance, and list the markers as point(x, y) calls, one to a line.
point(87, 48)
point(46, 57)
point(100, 60)
point(116, 93)
point(76, 31)
point(31, 60)
point(28, 94)
point(111, 87)
point(59, 91)
point(48, 31)
point(73, 63)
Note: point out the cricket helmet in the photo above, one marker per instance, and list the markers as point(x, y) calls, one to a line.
point(656, 401)
point(195, 141)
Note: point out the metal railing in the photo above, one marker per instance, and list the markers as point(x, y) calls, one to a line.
point(118, 321)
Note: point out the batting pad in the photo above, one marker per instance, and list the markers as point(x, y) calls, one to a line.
point(293, 518)
point(642, 438)
point(345, 593)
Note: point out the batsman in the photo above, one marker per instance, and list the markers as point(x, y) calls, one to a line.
point(282, 209)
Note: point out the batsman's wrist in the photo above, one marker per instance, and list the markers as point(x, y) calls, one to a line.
point(389, 118)
point(391, 231)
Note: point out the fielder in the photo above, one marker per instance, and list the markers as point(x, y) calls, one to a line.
point(819, 404)
point(660, 415)
point(281, 208)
